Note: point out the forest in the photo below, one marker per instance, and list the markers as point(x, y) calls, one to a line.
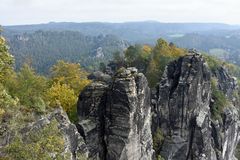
point(30, 94)
point(119, 80)
point(44, 48)
point(93, 43)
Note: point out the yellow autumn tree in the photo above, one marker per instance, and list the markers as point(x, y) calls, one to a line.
point(61, 95)
point(175, 51)
point(147, 48)
point(70, 74)
point(6, 68)
point(68, 79)
point(162, 54)
point(145, 53)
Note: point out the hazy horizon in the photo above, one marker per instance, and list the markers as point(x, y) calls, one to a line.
point(121, 22)
point(23, 12)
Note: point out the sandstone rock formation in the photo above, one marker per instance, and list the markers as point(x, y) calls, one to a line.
point(74, 143)
point(115, 118)
point(128, 117)
point(183, 112)
point(91, 112)
point(226, 131)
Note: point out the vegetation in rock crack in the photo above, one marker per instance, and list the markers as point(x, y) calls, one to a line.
point(158, 139)
point(237, 153)
point(160, 157)
point(215, 63)
point(220, 100)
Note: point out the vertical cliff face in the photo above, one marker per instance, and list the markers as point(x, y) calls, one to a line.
point(183, 103)
point(91, 111)
point(226, 130)
point(128, 120)
point(115, 119)
point(183, 108)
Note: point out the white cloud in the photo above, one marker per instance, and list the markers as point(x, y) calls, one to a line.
point(43, 11)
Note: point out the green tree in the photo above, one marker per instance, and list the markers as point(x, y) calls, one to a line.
point(102, 67)
point(132, 53)
point(29, 88)
point(6, 60)
point(138, 56)
point(6, 101)
point(158, 139)
point(220, 100)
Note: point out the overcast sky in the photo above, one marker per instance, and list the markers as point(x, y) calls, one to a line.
point(42, 11)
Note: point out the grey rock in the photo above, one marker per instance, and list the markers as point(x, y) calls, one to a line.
point(226, 132)
point(183, 109)
point(226, 83)
point(230, 131)
point(91, 112)
point(182, 112)
point(128, 117)
point(99, 52)
point(115, 119)
point(74, 143)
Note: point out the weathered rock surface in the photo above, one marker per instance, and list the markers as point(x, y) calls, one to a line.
point(226, 132)
point(74, 143)
point(182, 112)
point(117, 123)
point(183, 105)
point(226, 83)
point(128, 117)
point(91, 112)
point(115, 119)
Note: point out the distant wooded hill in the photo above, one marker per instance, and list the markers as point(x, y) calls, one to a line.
point(223, 45)
point(136, 32)
point(95, 42)
point(43, 48)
